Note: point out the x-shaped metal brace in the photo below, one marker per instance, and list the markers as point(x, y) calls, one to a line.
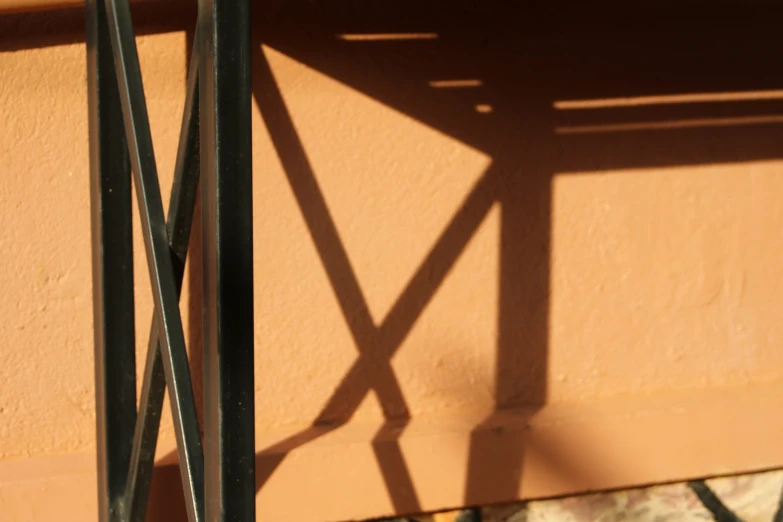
point(215, 142)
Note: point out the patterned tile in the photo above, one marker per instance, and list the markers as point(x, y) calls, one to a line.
point(670, 503)
point(745, 498)
point(753, 498)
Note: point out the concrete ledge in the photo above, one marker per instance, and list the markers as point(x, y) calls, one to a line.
point(321, 474)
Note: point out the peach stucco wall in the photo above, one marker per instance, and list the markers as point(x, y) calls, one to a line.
point(426, 199)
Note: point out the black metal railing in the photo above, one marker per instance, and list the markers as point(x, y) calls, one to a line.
point(215, 145)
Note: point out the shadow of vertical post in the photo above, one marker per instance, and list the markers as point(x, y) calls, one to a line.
point(515, 132)
point(523, 163)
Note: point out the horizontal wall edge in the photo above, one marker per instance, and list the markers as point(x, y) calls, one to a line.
point(320, 474)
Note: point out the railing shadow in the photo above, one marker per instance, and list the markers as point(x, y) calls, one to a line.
point(518, 68)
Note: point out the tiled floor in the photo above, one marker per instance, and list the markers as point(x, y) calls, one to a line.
point(748, 498)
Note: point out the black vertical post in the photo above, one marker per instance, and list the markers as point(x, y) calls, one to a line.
point(112, 262)
point(226, 177)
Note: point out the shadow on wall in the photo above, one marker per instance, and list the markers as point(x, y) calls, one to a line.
point(540, 90)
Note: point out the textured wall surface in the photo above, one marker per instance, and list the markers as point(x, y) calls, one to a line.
point(437, 192)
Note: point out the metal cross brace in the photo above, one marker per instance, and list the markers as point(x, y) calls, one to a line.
point(215, 137)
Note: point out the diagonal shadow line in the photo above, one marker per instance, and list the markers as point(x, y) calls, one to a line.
point(433, 269)
point(391, 461)
point(421, 288)
point(437, 113)
point(314, 209)
point(325, 236)
point(441, 258)
point(386, 339)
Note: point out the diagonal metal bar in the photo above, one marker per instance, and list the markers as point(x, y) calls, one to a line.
point(227, 226)
point(161, 269)
point(111, 204)
point(179, 222)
